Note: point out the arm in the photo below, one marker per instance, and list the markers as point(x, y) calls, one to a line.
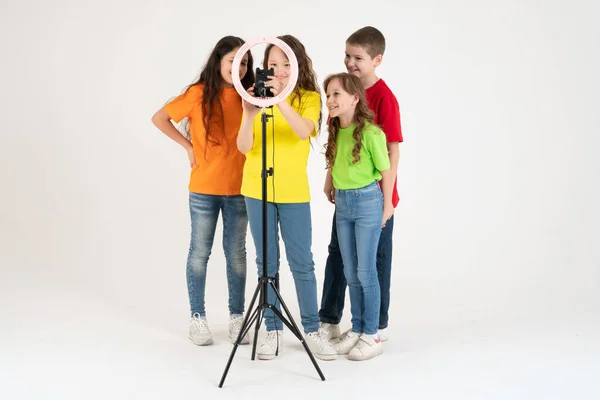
point(394, 154)
point(328, 188)
point(387, 186)
point(245, 138)
point(302, 127)
point(162, 121)
point(377, 146)
point(389, 121)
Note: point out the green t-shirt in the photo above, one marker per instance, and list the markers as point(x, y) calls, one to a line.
point(373, 158)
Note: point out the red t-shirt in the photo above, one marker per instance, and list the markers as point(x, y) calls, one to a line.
point(387, 115)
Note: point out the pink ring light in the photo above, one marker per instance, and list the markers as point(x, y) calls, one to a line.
point(235, 72)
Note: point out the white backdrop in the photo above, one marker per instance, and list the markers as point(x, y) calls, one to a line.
point(498, 223)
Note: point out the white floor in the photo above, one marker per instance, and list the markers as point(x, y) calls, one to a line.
point(496, 277)
point(56, 344)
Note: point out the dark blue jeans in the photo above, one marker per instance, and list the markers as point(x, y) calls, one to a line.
point(334, 285)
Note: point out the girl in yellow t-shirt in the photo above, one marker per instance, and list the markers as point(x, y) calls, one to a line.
point(213, 110)
point(294, 121)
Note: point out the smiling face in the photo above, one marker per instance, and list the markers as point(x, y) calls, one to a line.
point(227, 66)
point(280, 64)
point(359, 63)
point(339, 102)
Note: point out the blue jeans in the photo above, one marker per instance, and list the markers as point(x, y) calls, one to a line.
point(334, 284)
point(294, 220)
point(204, 212)
point(358, 217)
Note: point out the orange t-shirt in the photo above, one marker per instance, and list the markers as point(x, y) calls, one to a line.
point(218, 169)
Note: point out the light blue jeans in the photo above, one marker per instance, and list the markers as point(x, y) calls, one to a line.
point(204, 212)
point(358, 214)
point(294, 221)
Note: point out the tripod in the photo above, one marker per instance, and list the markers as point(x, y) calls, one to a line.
point(265, 281)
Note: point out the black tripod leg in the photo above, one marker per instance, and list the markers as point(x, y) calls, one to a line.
point(261, 315)
point(291, 324)
point(248, 320)
point(264, 281)
point(245, 329)
point(294, 329)
point(240, 336)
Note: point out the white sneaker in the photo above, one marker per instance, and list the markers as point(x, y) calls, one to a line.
point(199, 333)
point(384, 334)
point(367, 347)
point(273, 344)
point(320, 347)
point(235, 324)
point(330, 331)
point(347, 341)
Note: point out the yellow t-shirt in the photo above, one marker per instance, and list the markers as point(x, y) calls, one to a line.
point(287, 154)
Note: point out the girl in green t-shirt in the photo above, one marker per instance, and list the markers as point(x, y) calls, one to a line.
point(357, 158)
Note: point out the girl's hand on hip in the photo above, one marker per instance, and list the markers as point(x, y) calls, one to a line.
point(191, 156)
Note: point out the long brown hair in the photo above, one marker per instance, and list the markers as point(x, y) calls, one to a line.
point(307, 78)
point(210, 77)
point(362, 116)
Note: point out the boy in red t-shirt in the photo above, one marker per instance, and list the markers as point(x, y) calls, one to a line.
point(364, 53)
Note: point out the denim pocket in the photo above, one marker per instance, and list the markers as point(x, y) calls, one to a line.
point(371, 191)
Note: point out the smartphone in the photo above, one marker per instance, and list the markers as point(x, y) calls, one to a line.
point(262, 76)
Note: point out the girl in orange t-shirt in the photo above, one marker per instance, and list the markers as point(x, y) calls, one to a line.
point(212, 110)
